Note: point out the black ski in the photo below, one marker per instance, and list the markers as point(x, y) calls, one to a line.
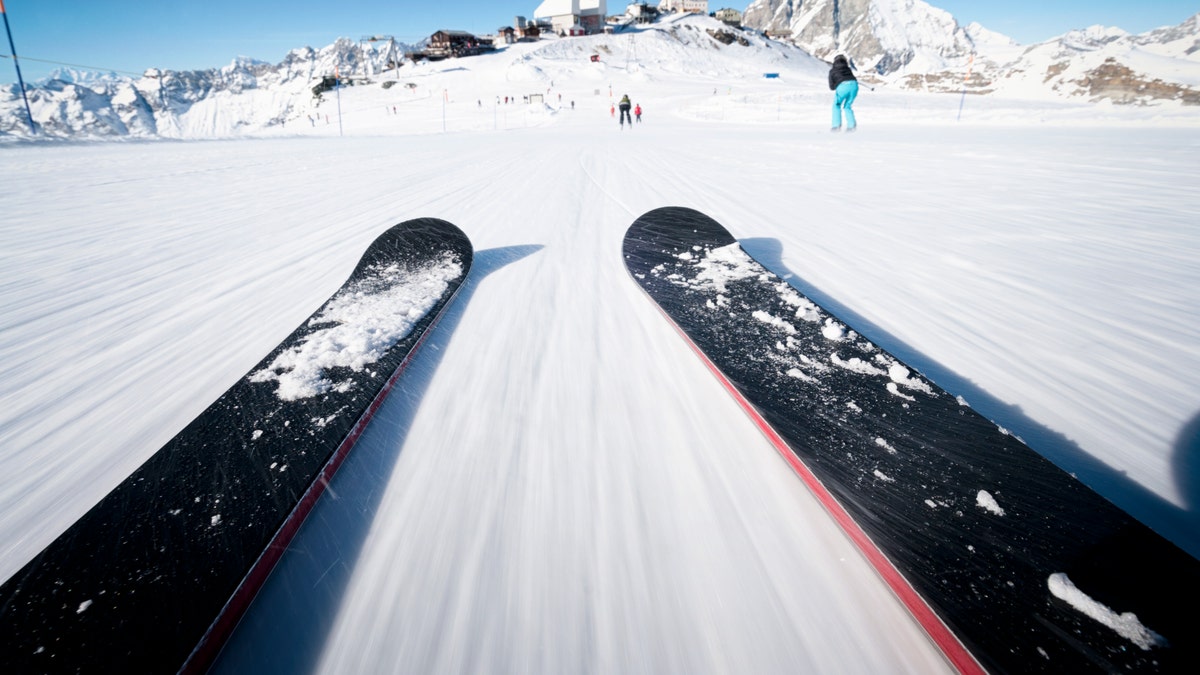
point(156, 575)
point(1011, 564)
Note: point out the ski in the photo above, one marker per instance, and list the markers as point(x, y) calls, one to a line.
point(155, 576)
point(1009, 563)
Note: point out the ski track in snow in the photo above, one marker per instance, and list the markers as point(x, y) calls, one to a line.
point(558, 485)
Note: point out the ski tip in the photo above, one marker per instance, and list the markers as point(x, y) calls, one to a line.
point(417, 239)
point(427, 228)
point(673, 228)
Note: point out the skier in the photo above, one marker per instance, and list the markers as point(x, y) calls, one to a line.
point(637, 112)
point(624, 106)
point(845, 87)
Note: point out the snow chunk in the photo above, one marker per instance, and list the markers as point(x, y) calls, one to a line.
point(723, 265)
point(856, 365)
point(806, 310)
point(368, 319)
point(900, 375)
point(884, 477)
point(775, 321)
point(216, 520)
point(721, 302)
point(985, 500)
point(83, 606)
point(833, 330)
point(885, 445)
point(800, 375)
point(894, 390)
point(1126, 625)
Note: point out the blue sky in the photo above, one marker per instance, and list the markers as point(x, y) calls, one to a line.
point(133, 35)
point(1032, 21)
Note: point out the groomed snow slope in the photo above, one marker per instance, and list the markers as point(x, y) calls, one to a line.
point(558, 485)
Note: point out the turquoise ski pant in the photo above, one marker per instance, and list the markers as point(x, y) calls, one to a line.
point(844, 97)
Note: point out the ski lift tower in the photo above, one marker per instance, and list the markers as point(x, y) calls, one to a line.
point(389, 53)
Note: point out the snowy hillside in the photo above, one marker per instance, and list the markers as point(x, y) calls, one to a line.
point(920, 47)
point(910, 45)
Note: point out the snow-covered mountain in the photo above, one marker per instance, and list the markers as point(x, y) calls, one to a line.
point(1101, 63)
point(246, 94)
point(918, 46)
point(905, 45)
point(880, 35)
point(76, 76)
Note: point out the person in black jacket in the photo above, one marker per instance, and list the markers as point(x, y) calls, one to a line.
point(845, 87)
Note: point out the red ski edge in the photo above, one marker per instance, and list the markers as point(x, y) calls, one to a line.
point(941, 635)
point(205, 653)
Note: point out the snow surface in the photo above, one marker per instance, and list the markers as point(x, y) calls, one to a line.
point(558, 484)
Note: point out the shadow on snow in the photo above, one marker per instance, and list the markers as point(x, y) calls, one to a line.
point(287, 626)
point(1181, 525)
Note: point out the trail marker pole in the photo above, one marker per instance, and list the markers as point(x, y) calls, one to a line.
point(970, 63)
point(337, 87)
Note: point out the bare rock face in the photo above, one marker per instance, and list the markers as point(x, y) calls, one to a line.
point(773, 16)
point(1120, 84)
point(883, 36)
point(841, 28)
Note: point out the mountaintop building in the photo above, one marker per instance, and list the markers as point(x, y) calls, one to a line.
point(697, 6)
point(572, 17)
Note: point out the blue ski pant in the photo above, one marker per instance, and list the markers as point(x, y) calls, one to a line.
point(843, 98)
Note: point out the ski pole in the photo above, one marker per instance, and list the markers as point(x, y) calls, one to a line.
point(17, 64)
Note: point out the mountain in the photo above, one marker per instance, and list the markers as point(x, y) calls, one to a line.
point(246, 94)
point(906, 45)
point(917, 46)
point(883, 36)
point(76, 76)
point(1101, 63)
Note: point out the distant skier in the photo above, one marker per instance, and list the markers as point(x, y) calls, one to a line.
point(845, 87)
point(624, 105)
point(637, 112)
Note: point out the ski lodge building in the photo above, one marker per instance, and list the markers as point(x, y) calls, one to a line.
point(448, 43)
point(573, 17)
point(696, 6)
